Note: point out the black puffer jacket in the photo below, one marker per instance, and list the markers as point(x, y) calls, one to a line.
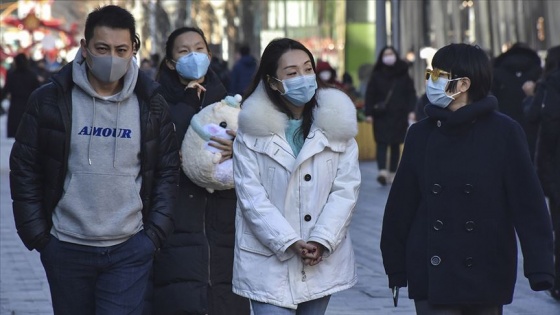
point(192, 273)
point(39, 159)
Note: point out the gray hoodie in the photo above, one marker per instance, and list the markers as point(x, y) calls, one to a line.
point(101, 204)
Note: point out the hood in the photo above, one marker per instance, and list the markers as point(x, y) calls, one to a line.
point(79, 76)
point(518, 59)
point(335, 115)
point(323, 65)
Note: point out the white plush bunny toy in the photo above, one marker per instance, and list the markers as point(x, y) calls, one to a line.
point(201, 161)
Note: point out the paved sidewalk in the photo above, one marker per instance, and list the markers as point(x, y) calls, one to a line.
point(24, 289)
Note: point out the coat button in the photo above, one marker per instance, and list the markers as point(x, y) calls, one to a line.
point(439, 123)
point(436, 189)
point(307, 218)
point(469, 262)
point(438, 225)
point(468, 188)
point(435, 260)
point(469, 226)
point(307, 177)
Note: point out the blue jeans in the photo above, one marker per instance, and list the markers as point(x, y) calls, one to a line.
point(313, 307)
point(98, 280)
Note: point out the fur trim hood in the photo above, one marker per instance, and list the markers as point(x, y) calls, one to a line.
point(335, 115)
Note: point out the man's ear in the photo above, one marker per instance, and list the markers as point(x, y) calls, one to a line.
point(83, 45)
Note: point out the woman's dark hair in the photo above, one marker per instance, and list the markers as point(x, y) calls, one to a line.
point(463, 60)
point(112, 16)
point(379, 65)
point(552, 61)
point(268, 67)
point(171, 42)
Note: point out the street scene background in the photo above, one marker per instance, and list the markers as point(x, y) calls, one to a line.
point(347, 34)
point(24, 289)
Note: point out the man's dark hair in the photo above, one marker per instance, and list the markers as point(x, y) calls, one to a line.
point(112, 16)
point(244, 50)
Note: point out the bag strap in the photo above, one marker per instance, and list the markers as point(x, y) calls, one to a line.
point(388, 97)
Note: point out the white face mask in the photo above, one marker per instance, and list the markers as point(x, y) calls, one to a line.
point(435, 91)
point(325, 75)
point(389, 60)
point(299, 90)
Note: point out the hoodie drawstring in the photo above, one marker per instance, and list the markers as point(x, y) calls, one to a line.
point(91, 132)
point(116, 132)
point(116, 135)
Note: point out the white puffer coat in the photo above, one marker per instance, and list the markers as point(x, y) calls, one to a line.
point(283, 198)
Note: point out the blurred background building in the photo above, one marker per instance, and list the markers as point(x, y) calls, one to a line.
point(346, 33)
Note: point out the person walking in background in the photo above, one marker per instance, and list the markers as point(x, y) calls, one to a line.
point(220, 67)
point(465, 187)
point(20, 82)
point(390, 97)
point(327, 75)
point(546, 106)
point(297, 179)
point(148, 68)
point(192, 272)
point(243, 71)
point(512, 69)
point(94, 171)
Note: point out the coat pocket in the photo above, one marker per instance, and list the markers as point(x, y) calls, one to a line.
point(251, 244)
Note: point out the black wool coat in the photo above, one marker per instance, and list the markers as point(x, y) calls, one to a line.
point(192, 272)
point(464, 187)
point(390, 126)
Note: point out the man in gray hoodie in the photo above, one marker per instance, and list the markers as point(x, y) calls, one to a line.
point(94, 172)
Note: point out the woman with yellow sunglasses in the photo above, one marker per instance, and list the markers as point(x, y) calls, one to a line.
point(464, 188)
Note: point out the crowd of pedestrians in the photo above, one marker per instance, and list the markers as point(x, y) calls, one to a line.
point(98, 191)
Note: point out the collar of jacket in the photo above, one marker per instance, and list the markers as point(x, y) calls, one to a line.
point(464, 116)
point(335, 116)
point(174, 92)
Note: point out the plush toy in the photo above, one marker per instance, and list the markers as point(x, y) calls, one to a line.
point(201, 162)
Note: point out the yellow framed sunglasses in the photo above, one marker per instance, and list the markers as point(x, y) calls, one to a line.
point(435, 74)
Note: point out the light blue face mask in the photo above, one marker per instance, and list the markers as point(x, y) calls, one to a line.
point(299, 90)
point(435, 91)
point(192, 66)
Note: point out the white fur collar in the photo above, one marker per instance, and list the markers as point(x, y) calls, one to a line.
point(335, 115)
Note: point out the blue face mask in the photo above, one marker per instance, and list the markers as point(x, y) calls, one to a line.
point(299, 90)
point(435, 91)
point(192, 66)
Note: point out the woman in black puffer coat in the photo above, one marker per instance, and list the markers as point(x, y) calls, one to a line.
point(390, 83)
point(193, 271)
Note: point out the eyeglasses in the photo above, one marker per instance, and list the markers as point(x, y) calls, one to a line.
point(436, 74)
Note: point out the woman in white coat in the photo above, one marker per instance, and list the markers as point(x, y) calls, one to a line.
point(297, 179)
